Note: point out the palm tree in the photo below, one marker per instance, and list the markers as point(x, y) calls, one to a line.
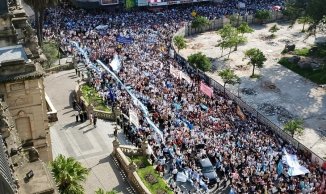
point(101, 191)
point(294, 126)
point(39, 7)
point(68, 174)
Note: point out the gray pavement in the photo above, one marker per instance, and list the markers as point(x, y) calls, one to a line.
point(89, 145)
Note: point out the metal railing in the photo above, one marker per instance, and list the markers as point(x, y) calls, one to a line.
point(186, 31)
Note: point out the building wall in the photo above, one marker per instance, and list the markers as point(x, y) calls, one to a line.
point(26, 101)
point(6, 181)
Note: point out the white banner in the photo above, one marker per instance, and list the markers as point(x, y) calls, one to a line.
point(133, 118)
point(185, 77)
point(174, 71)
point(115, 63)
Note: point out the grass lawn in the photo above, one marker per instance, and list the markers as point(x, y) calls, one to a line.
point(160, 186)
point(302, 52)
point(317, 76)
point(51, 52)
point(318, 51)
point(90, 94)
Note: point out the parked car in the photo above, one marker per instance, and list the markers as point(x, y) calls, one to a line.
point(208, 170)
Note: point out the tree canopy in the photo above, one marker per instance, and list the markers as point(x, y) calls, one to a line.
point(102, 191)
point(294, 126)
point(274, 29)
point(245, 28)
point(312, 12)
point(200, 22)
point(39, 7)
point(229, 77)
point(68, 174)
point(200, 61)
point(262, 15)
point(230, 38)
point(256, 58)
point(180, 42)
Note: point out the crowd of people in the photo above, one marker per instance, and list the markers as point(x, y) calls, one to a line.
point(242, 150)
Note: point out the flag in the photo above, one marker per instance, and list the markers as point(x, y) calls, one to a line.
point(206, 89)
point(133, 118)
point(115, 63)
point(111, 94)
point(185, 77)
point(174, 71)
point(279, 167)
point(240, 113)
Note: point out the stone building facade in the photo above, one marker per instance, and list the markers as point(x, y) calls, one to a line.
point(21, 84)
point(25, 143)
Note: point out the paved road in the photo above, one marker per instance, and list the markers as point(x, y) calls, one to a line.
point(89, 145)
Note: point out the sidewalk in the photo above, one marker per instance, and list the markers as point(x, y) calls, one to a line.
point(90, 145)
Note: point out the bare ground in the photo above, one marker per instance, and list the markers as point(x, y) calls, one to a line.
point(278, 86)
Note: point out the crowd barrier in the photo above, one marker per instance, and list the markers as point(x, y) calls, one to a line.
point(214, 25)
point(218, 23)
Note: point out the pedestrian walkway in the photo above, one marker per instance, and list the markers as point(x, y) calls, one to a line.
point(90, 145)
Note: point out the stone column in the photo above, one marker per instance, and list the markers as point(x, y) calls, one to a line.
point(144, 146)
point(116, 145)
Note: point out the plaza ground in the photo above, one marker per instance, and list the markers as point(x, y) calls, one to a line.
point(299, 96)
point(89, 145)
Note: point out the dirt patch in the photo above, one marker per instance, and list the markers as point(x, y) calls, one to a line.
point(197, 46)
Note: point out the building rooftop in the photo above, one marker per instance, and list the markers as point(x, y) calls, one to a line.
point(41, 182)
point(12, 53)
point(15, 65)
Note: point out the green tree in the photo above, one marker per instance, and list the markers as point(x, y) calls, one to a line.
point(225, 31)
point(230, 38)
point(200, 61)
point(180, 42)
point(273, 30)
point(294, 126)
point(229, 77)
point(68, 174)
point(293, 10)
point(199, 22)
point(262, 15)
point(256, 59)
point(245, 28)
point(304, 20)
point(223, 45)
point(101, 191)
point(39, 7)
point(316, 10)
point(130, 4)
point(238, 40)
point(227, 34)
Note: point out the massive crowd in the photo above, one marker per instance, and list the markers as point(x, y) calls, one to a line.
point(194, 125)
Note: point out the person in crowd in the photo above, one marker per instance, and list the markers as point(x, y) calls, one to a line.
point(193, 125)
point(94, 120)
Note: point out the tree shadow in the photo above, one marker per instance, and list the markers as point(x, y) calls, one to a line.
point(68, 112)
point(72, 124)
point(80, 128)
point(88, 130)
